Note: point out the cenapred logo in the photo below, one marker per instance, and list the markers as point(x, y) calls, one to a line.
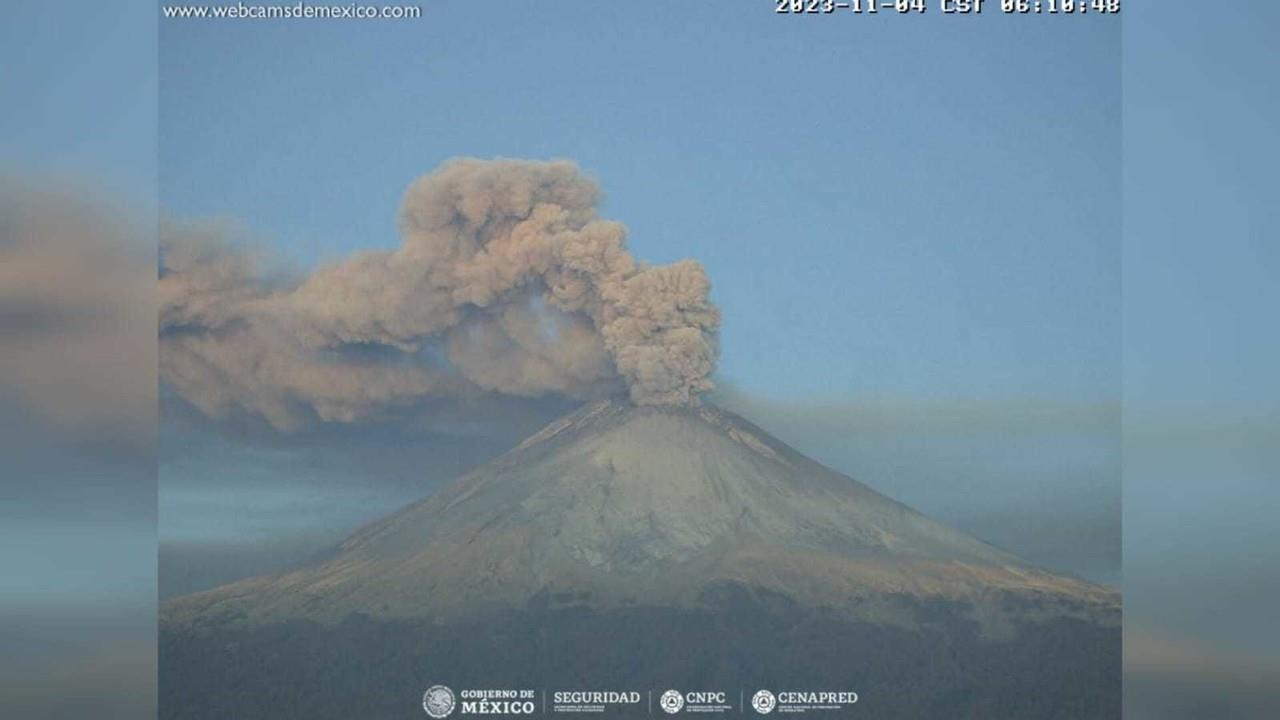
point(438, 701)
point(764, 702)
point(671, 701)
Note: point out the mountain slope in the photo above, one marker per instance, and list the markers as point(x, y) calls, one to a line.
point(645, 548)
point(619, 505)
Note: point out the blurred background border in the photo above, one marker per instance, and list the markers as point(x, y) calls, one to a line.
point(77, 368)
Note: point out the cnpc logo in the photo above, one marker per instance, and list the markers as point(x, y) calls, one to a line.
point(673, 701)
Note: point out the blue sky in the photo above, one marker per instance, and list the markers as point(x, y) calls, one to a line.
point(912, 227)
point(919, 207)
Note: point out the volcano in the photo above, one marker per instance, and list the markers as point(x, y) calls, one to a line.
point(640, 547)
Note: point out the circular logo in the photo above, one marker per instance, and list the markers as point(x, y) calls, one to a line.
point(438, 701)
point(764, 702)
point(671, 701)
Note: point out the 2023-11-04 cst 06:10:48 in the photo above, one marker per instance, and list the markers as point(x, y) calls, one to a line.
point(948, 7)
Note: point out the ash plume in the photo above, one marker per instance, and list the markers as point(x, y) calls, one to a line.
point(506, 281)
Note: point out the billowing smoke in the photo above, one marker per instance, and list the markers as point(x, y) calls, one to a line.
point(505, 281)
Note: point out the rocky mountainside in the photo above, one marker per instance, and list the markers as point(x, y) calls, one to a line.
point(621, 505)
point(703, 549)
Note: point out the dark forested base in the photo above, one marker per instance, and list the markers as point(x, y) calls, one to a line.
point(370, 669)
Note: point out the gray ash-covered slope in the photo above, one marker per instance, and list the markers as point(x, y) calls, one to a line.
point(617, 505)
point(625, 546)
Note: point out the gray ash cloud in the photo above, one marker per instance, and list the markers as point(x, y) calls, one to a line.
point(506, 281)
